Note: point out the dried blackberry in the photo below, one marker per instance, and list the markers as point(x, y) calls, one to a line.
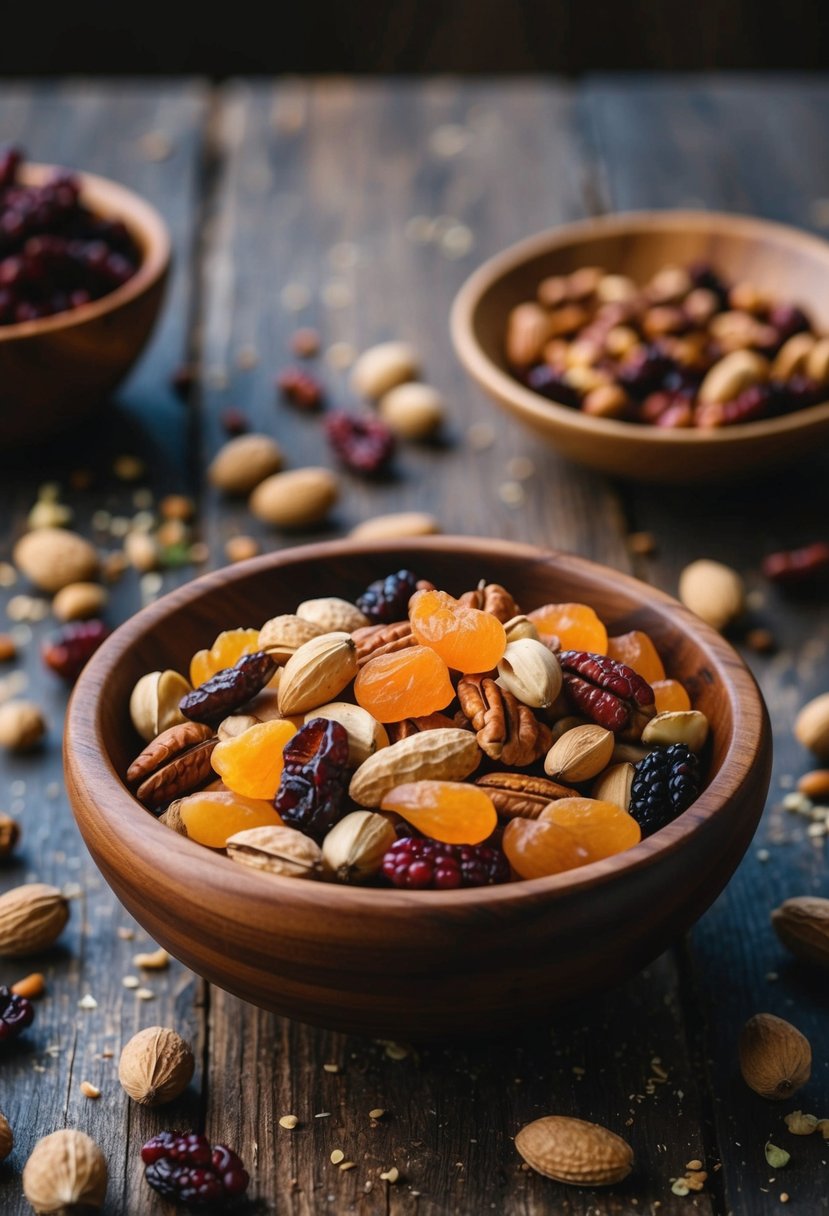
point(229, 688)
point(364, 445)
point(184, 1167)
point(16, 1013)
point(417, 864)
point(311, 794)
point(551, 384)
point(665, 784)
point(387, 599)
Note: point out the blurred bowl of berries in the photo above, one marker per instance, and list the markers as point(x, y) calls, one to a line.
point(83, 267)
point(397, 912)
point(672, 346)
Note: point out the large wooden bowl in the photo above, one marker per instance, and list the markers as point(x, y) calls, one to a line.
point(388, 962)
point(56, 370)
point(792, 265)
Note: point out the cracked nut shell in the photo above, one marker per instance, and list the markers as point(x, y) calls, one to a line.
point(156, 1066)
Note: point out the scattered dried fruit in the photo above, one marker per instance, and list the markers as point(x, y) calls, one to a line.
point(69, 651)
point(16, 1013)
point(184, 1167)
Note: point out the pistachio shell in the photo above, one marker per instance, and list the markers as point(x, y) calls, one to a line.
point(531, 672)
point(353, 850)
point(154, 703)
point(579, 754)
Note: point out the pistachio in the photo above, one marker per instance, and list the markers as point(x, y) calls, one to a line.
point(316, 672)
point(713, 591)
point(519, 627)
point(817, 363)
point(365, 734)
point(614, 785)
point(154, 703)
point(236, 724)
point(793, 356)
point(687, 726)
point(579, 754)
point(276, 850)
point(531, 672)
point(53, 558)
point(66, 1173)
point(78, 601)
point(353, 850)
point(244, 462)
point(299, 498)
point(383, 367)
point(332, 613)
point(413, 411)
point(398, 524)
point(730, 375)
point(811, 726)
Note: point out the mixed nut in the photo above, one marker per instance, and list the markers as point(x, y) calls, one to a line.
point(418, 739)
point(685, 349)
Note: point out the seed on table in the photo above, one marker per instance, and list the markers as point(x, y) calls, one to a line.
point(391, 1175)
point(337, 1156)
point(89, 1090)
point(289, 1122)
point(157, 960)
point(240, 548)
point(377, 1113)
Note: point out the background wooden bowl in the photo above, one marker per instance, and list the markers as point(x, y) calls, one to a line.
point(56, 370)
point(388, 962)
point(791, 265)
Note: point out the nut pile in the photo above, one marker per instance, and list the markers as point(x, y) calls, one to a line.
point(419, 739)
point(686, 349)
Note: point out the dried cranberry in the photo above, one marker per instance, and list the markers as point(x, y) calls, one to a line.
point(229, 689)
point(387, 599)
point(16, 1013)
point(797, 393)
point(797, 566)
point(184, 1167)
point(311, 794)
point(788, 320)
point(550, 384)
point(10, 159)
point(419, 864)
point(73, 646)
point(300, 388)
point(365, 445)
point(234, 421)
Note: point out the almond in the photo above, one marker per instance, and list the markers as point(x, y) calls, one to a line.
point(802, 924)
point(413, 411)
point(32, 917)
point(528, 328)
point(317, 672)
point(775, 1058)
point(398, 524)
point(811, 726)
point(713, 591)
point(52, 558)
point(614, 785)
point(383, 367)
point(445, 754)
point(574, 1151)
point(297, 499)
point(244, 462)
point(78, 601)
point(580, 753)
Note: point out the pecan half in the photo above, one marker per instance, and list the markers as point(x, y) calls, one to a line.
point(229, 689)
point(607, 692)
point(174, 764)
point(375, 640)
point(491, 597)
point(414, 726)
point(506, 730)
point(517, 795)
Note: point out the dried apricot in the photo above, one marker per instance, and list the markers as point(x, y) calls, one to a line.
point(670, 696)
point(601, 828)
point(214, 815)
point(251, 763)
point(537, 848)
point(448, 811)
point(409, 683)
point(225, 651)
point(575, 625)
point(638, 651)
point(467, 639)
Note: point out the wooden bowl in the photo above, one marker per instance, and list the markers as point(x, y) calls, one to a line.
point(56, 370)
point(390, 962)
point(793, 266)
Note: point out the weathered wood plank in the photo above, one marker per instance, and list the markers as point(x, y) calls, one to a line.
point(754, 145)
point(100, 129)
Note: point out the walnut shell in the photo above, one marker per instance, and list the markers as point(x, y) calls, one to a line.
point(775, 1058)
point(156, 1066)
point(574, 1151)
point(66, 1172)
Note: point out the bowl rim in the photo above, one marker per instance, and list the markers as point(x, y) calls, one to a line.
point(544, 411)
point(138, 214)
point(153, 844)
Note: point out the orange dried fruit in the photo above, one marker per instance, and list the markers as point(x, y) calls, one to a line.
point(211, 817)
point(251, 763)
point(638, 651)
point(225, 651)
point(601, 828)
point(575, 625)
point(467, 639)
point(670, 696)
point(409, 683)
point(448, 811)
point(536, 848)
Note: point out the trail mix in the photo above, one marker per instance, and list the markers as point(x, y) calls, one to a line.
point(686, 349)
point(419, 740)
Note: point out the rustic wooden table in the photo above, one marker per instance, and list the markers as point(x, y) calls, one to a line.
point(303, 203)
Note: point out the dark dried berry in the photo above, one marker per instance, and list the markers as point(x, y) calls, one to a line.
point(798, 566)
point(234, 421)
point(305, 343)
point(788, 320)
point(552, 385)
point(606, 691)
point(300, 388)
point(645, 371)
point(364, 445)
point(72, 647)
point(16, 1013)
point(419, 864)
point(228, 689)
point(311, 794)
point(184, 1167)
point(387, 599)
point(703, 275)
point(182, 381)
point(665, 784)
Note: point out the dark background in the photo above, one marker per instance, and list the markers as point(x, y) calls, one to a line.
point(410, 36)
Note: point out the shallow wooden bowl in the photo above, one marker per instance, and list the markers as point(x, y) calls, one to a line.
point(792, 265)
point(55, 371)
point(388, 962)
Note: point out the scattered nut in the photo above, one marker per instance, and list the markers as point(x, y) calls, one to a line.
point(9, 835)
point(79, 601)
point(687, 726)
point(296, 499)
point(141, 551)
point(400, 524)
point(89, 1090)
point(8, 650)
point(802, 924)
point(32, 917)
point(332, 614)
point(289, 1122)
point(156, 1066)
point(383, 367)
point(579, 754)
point(156, 960)
point(240, 548)
point(574, 1151)
point(815, 784)
point(53, 558)
point(244, 462)
point(66, 1173)
point(775, 1058)
point(413, 411)
point(811, 726)
point(713, 591)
